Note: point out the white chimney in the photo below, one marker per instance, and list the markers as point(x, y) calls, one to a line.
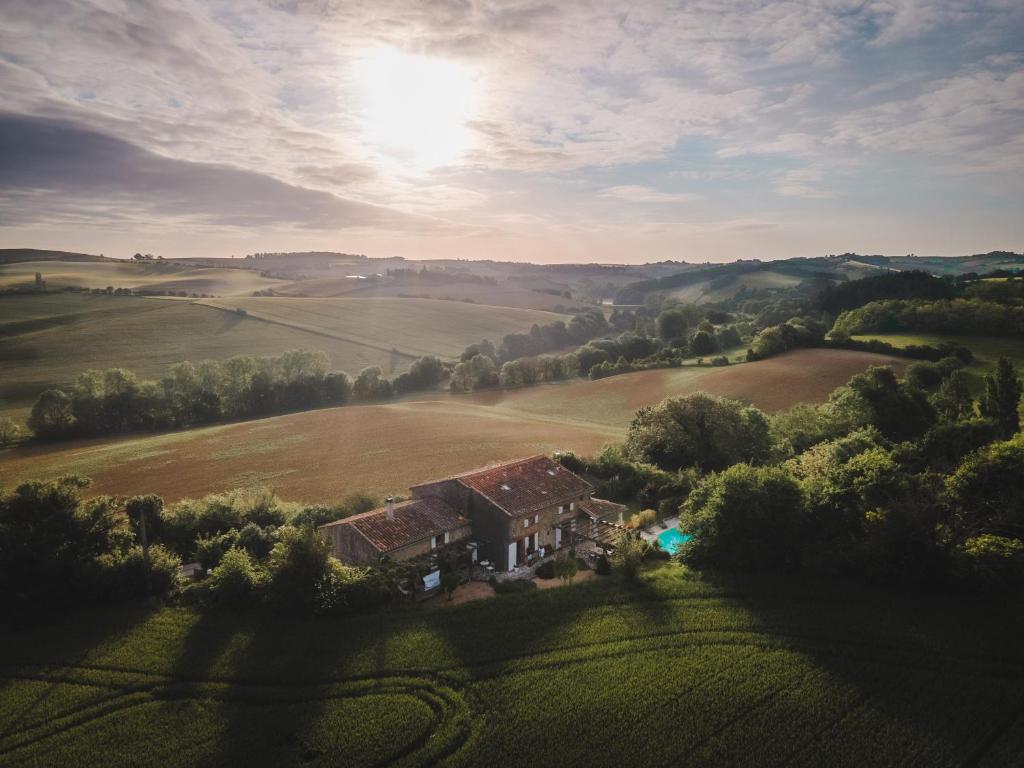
point(390, 508)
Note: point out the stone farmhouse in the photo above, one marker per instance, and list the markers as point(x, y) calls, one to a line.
point(511, 515)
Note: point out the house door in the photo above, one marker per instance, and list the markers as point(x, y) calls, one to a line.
point(512, 555)
point(558, 537)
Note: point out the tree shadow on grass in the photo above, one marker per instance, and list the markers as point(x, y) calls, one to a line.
point(63, 642)
point(944, 670)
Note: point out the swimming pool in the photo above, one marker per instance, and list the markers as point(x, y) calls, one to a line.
point(671, 539)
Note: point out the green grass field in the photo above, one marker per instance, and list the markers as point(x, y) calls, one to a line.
point(413, 326)
point(48, 339)
point(675, 670)
point(703, 293)
point(151, 276)
point(987, 349)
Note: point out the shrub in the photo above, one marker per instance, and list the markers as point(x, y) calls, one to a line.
point(603, 567)
point(9, 431)
point(991, 561)
point(629, 553)
point(545, 570)
point(566, 566)
point(236, 579)
point(642, 519)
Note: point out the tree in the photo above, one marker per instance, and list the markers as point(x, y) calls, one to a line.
point(566, 566)
point(628, 555)
point(9, 431)
point(300, 566)
point(702, 343)
point(899, 411)
point(51, 415)
point(672, 324)
point(1001, 399)
point(144, 513)
point(236, 578)
point(450, 582)
point(987, 491)
point(954, 400)
point(745, 518)
point(370, 384)
point(698, 430)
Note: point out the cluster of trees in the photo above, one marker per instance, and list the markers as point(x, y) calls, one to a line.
point(910, 479)
point(915, 284)
point(943, 316)
point(116, 400)
point(57, 549)
point(795, 333)
point(541, 338)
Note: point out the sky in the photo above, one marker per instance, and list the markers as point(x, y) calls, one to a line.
point(547, 132)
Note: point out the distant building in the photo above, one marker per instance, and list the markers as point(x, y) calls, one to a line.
point(510, 514)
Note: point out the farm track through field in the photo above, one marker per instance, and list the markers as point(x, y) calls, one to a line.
point(448, 706)
point(266, 318)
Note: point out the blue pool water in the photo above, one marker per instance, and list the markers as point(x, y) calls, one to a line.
point(671, 539)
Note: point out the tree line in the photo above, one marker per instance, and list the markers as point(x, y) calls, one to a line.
point(942, 316)
point(115, 400)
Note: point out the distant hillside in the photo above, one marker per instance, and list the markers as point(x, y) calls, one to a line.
point(14, 255)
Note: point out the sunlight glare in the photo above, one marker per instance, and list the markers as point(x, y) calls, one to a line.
point(416, 107)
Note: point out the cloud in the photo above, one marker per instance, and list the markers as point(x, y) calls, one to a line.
point(640, 194)
point(53, 168)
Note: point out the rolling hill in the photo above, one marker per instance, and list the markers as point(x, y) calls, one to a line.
point(322, 455)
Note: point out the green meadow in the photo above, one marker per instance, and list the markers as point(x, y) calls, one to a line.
point(672, 670)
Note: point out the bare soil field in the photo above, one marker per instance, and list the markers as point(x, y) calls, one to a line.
point(323, 455)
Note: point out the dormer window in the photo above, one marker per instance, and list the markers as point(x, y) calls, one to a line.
point(505, 487)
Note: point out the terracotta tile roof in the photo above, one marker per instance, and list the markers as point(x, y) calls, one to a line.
point(600, 509)
point(522, 486)
point(414, 520)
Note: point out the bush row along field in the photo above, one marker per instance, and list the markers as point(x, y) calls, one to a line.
point(47, 339)
point(673, 670)
point(323, 455)
point(149, 276)
point(987, 349)
point(415, 327)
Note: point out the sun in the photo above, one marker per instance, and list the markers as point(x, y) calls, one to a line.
point(415, 109)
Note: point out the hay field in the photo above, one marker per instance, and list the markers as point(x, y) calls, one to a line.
point(412, 326)
point(151, 276)
point(323, 455)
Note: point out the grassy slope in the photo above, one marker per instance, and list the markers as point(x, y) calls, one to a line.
point(702, 293)
point(48, 339)
point(145, 336)
point(321, 455)
point(414, 326)
point(673, 670)
point(987, 349)
point(154, 276)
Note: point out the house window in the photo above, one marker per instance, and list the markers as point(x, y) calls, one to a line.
point(447, 537)
point(563, 508)
point(433, 542)
point(572, 505)
point(536, 519)
point(526, 522)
